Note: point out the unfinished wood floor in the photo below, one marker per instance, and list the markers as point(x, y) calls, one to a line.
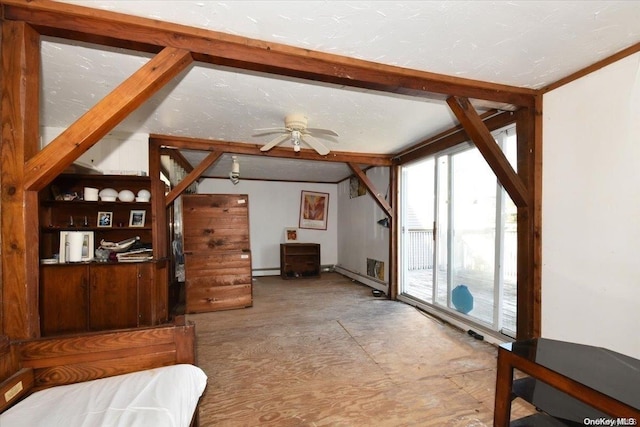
point(325, 352)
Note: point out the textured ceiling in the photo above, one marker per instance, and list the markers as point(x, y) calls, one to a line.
point(520, 43)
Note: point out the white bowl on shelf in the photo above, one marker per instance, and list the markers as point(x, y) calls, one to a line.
point(143, 196)
point(126, 196)
point(108, 195)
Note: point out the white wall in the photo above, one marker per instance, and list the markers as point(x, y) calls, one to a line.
point(274, 206)
point(116, 153)
point(359, 234)
point(591, 210)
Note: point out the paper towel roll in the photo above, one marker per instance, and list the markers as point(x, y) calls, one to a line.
point(75, 240)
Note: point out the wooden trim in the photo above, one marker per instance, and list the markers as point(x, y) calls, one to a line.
point(115, 29)
point(254, 150)
point(193, 176)
point(104, 116)
point(490, 150)
point(377, 196)
point(631, 50)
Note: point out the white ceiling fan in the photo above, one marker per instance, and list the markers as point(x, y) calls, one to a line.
point(295, 129)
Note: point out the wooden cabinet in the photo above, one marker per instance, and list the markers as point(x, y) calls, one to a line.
point(87, 296)
point(299, 260)
point(217, 252)
point(92, 296)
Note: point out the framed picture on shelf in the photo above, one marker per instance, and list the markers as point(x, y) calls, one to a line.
point(137, 217)
point(291, 235)
point(314, 209)
point(105, 219)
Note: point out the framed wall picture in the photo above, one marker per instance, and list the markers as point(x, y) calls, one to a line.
point(137, 218)
point(314, 209)
point(87, 250)
point(105, 219)
point(291, 235)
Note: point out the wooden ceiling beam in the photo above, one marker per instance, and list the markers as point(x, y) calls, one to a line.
point(103, 117)
point(232, 147)
point(115, 29)
point(490, 150)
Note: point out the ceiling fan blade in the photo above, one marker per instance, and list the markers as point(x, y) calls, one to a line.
point(275, 141)
point(268, 131)
point(321, 131)
point(316, 145)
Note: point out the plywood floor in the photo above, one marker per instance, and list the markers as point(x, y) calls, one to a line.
point(325, 352)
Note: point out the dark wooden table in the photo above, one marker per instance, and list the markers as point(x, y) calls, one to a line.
point(576, 381)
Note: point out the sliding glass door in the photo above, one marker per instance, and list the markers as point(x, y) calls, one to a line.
point(458, 236)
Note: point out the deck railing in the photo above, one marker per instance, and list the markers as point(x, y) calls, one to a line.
point(420, 247)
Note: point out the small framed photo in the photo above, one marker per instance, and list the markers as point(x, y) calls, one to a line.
point(137, 218)
point(105, 219)
point(290, 235)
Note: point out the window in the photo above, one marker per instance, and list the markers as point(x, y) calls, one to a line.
point(459, 235)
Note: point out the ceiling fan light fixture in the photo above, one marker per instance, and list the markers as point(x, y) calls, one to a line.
point(234, 175)
point(295, 130)
point(295, 140)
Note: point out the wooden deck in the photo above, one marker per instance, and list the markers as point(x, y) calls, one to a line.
point(419, 284)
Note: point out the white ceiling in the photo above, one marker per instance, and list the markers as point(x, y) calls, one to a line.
point(520, 43)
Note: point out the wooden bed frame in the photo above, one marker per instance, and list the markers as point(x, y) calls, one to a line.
point(27, 366)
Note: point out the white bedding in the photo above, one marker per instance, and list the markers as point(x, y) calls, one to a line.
point(156, 397)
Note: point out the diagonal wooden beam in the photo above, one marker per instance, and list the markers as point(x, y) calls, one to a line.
point(377, 197)
point(193, 175)
point(482, 138)
point(42, 168)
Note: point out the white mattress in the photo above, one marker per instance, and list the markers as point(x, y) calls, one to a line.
point(156, 397)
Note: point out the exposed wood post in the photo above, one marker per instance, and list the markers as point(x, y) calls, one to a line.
point(20, 83)
point(158, 209)
point(192, 176)
point(104, 116)
point(529, 133)
point(486, 144)
point(393, 232)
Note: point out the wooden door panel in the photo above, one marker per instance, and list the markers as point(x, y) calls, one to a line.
point(204, 299)
point(219, 259)
point(202, 245)
point(63, 299)
point(217, 256)
point(113, 296)
point(211, 201)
